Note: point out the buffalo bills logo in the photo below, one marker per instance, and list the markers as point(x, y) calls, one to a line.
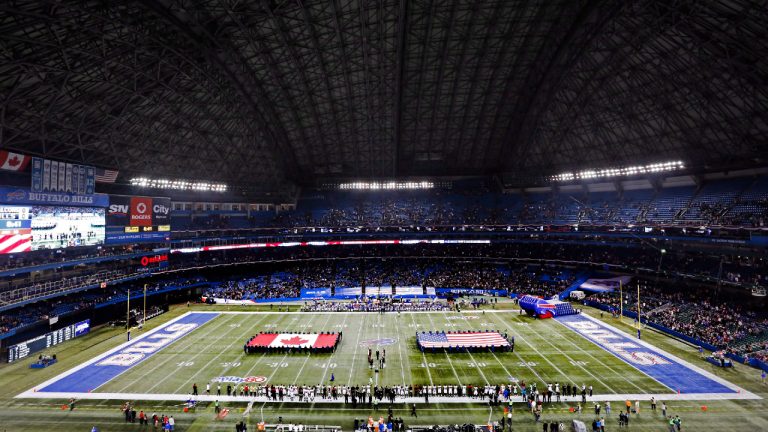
point(18, 195)
point(378, 342)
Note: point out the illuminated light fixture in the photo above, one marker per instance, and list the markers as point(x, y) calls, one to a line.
point(617, 172)
point(178, 184)
point(386, 185)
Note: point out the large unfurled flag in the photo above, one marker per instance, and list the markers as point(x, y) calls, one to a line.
point(14, 243)
point(105, 175)
point(462, 340)
point(13, 161)
point(294, 340)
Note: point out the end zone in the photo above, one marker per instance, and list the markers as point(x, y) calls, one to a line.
point(103, 368)
point(673, 372)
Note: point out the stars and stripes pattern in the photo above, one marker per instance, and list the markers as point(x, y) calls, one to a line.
point(14, 243)
point(461, 340)
point(105, 175)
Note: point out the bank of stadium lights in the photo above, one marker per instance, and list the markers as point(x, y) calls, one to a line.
point(178, 185)
point(617, 172)
point(386, 185)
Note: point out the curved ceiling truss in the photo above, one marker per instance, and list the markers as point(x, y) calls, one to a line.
point(268, 93)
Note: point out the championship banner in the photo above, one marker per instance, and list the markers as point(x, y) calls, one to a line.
point(54, 176)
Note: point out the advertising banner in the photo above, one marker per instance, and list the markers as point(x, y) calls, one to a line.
point(22, 196)
point(24, 349)
point(138, 219)
point(138, 211)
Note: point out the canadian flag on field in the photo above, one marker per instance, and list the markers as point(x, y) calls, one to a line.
point(293, 340)
point(13, 161)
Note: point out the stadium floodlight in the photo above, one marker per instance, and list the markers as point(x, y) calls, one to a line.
point(392, 185)
point(619, 172)
point(178, 184)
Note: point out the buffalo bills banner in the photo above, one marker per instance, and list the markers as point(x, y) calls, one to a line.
point(22, 196)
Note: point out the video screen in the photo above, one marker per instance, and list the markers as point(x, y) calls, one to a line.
point(30, 228)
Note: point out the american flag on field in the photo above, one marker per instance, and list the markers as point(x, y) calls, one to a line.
point(461, 340)
point(13, 243)
point(105, 175)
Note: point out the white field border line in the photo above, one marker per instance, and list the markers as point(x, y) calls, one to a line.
point(680, 361)
point(408, 400)
point(223, 312)
point(106, 354)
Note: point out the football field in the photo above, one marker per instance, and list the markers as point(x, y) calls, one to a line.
point(211, 352)
point(208, 348)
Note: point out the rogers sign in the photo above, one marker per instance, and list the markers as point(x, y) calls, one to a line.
point(138, 211)
point(157, 259)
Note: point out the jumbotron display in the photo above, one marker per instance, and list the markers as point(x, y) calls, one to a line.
point(30, 228)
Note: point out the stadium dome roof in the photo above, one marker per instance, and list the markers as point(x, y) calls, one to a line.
point(273, 92)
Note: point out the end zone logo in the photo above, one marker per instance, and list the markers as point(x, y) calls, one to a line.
point(141, 211)
point(378, 342)
point(239, 380)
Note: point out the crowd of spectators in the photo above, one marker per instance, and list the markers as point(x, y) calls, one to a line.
point(45, 309)
point(478, 205)
point(699, 312)
point(370, 275)
point(365, 304)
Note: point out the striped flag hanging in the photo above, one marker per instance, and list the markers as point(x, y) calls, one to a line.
point(105, 175)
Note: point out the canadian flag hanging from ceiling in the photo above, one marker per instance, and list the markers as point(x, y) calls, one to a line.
point(13, 161)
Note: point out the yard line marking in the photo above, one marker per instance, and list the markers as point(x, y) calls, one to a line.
point(188, 343)
point(546, 359)
point(333, 356)
point(242, 354)
point(309, 353)
point(424, 357)
point(509, 374)
point(617, 373)
point(205, 367)
point(400, 351)
point(536, 335)
point(450, 362)
point(354, 355)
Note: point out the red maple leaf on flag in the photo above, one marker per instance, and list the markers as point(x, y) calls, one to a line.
point(296, 340)
point(14, 161)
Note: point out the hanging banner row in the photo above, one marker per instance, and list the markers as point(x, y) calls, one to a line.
point(53, 176)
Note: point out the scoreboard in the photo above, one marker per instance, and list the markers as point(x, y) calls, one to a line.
point(24, 349)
